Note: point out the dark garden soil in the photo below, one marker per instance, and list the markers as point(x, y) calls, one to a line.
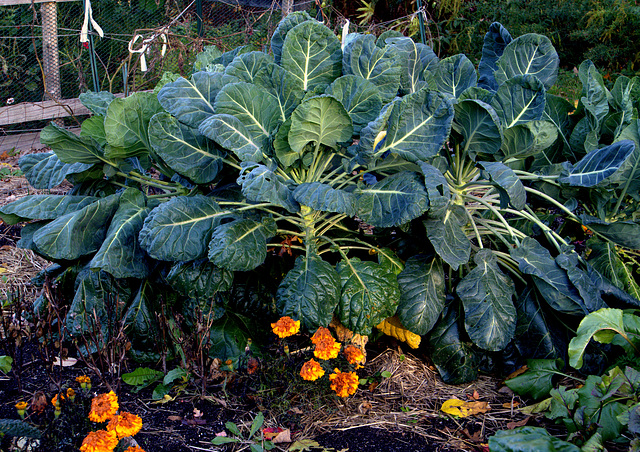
point(396, 413)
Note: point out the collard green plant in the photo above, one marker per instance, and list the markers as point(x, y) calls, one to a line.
point(397, 182)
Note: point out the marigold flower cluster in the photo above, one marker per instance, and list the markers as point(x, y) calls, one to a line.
point(99, 441)
point(326, 347)
point(84, 381)
point(125, 424)
point(311, 370)
point(344, 383)
point(103, 407)
point(285, 327)
point(354, 355)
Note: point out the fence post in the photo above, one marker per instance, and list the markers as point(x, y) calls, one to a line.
point(51, 64)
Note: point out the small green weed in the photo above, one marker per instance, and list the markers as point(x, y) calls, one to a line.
point(254, 440)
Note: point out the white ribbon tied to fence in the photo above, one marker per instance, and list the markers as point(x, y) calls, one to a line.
point(88, 16)
point(144, 48)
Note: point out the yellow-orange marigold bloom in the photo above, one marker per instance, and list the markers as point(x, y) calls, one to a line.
point(134, 449)
point(311, 370)
point(22, 405)
point(286, 327)
point(344, 383)
point(103, 407)
point(321, 334)
point(353, 354)
point(327, 348)
point(57, 401)
point(125, 424)
point(84, 381)
point(100, 441)
point(71, 394)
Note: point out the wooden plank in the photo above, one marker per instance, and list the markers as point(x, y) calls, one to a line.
point(28, 2)
point(43, 111)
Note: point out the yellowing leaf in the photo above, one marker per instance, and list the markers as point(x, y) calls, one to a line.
point(460, 408)
point(166, 399)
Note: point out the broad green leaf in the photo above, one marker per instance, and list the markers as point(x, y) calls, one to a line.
point(205, 59)
point(140, 320)
point(538, 334)
point(310, 292)
point(422, 294)
point(453, 356)
point(256, 424)
point(415, 60)
point(96, 307)
point(495, 41)
point(551, 280)
point(556, 111)
point(438, 190)
point(142, 376)
point(628, 175)
point(71, 148)
point(518, 100)
point(622, 96)
point(180, 229)
point(191, 101)
point(419, 125)
point(285, 155)
point(230, 133)
point(587, 286)
point(283, 85)
point(528, 439)
point(529, 54)
point(455, 74)
point(174, 374)
point(623, 233)
point(5, 364)
point(604, 257)
point(260, 184)
point(199, 279)
point(382, 39)
point(487, 296)
point(246, 66)
point(508, 184)
point(598, 164)
point(479, 124)
point(256, 109)
point(323, 197)
point(369, 136)
point(120, 254)
point(595, 101)
point(184, 149)
point(43, 207)
point(369, 295)
point(285, 25)
point(319, 120)
point(537, 381)
point(97, 103)
point(448, 238)
point(592, 326)
point(395, 200)
point(94, 127)
point(241, 245)
point(44, 170)
point(362, 57)
point(77, 233)
point(477, 93)
point(228, 337)
point(127, 123)
point(312, 53)
point(360, 98)
point(526, 140)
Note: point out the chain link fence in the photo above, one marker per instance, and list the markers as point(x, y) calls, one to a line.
point(142, 39)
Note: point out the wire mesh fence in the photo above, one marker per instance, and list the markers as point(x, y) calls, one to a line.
point(142, 40)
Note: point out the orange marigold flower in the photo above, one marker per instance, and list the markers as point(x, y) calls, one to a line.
point(84, 381)
point(321, 334)
point(134, 449)
point(57, 401)
point(125, 424)
point(344, 383)
point(311, 370)
point(71, 394)
point(100, 441)
point(286, 327)
point(22, 405)
point(327, 348)
point(103, 407)
point(353, 354)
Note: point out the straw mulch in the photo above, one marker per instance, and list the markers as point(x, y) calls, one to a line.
point(410, 400)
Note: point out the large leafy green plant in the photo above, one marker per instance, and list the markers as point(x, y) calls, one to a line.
point(401, 183)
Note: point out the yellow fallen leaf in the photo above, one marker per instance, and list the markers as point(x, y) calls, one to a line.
point(166, 399)
point(460, 408)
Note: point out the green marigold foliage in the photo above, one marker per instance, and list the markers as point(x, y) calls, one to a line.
point(357, 180)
